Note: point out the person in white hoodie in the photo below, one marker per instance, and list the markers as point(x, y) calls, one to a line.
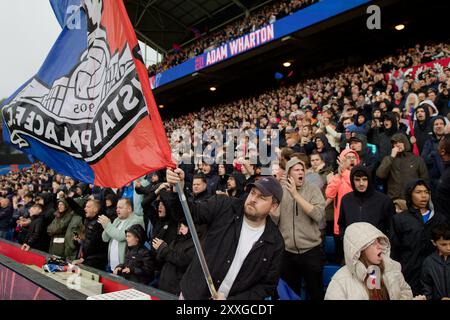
point(369, 273)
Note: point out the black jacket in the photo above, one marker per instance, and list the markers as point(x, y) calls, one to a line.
point(328, 153)
point(37, 236)
point(165, 228)
point(141, 264)
point(435, 277)
point(422, 130)
point(201, 197)
point(366, 157)
point(371, 206)
point(94, 250)
point(176, 258)
point(260, 272)
point(430, 154)
point(384, 139)
point(222, 184)
point(240, 186)
point(49, 207)
point(212, 180)
point(442, 194)
point(411, 240)
point(5, 217)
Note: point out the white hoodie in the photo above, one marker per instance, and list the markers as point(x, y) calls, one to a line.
point(348, 282)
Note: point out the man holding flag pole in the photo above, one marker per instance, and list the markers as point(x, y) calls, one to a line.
point(242, 247)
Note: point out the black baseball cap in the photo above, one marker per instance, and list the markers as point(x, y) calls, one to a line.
point(269, 186)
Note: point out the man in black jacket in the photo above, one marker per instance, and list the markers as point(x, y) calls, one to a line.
point(94, 251)
point(411, 232)
point(200, 190)
point(236, 186)
point(45, 199)
point(365, 204)
point(6, 213)
point(243, 247)
point(37, 236)
point(358, 143)
point(442, 196)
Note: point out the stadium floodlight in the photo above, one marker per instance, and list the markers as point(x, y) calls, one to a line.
point(286, 64)
point(399, 27)
point(213, 89)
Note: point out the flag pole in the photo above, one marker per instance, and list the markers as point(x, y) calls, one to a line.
point(196, 240)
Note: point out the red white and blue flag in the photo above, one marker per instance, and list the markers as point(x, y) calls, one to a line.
point(89, 112)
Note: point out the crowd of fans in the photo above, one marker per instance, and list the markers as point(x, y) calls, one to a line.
point(363, 157)
point(204, 43)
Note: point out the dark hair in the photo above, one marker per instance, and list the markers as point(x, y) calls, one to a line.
point(316, 153)
point(441, 230)
point(200, 176)
point(421, 182)
point(37, 205)
point(348, 118)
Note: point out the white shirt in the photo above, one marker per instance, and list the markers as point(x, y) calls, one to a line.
point(114, 251)
point(249, 236)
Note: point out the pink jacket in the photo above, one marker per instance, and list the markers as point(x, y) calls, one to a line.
point(338, 187)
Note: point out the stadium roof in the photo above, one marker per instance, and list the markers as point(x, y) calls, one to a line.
point(161, 23)
point(325, 47)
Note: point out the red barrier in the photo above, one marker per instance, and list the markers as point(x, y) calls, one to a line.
point(33, 258)
point(14, 252)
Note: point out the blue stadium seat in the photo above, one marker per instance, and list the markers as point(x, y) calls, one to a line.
point(328, 272)
point(285, 292)
point(329, 248)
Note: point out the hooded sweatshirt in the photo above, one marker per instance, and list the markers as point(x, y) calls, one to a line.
point(328, 153)
point(338, 186)
point(422, 130)
point(300, 230)
point(57, 230)
point(48, 207)
point(367, 158)
point(411, 237)
point(370, 206)
point(240, 185)
point(442, 194)
point(435, 279)
point(384, 139)
point(348, 283)
point(430, 154)
point(401, 169)
point(176, 256)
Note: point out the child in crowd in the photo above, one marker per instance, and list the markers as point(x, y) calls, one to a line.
point(436, 267)
point(138, 265)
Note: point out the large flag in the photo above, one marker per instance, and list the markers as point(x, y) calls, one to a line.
point(89, 112)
